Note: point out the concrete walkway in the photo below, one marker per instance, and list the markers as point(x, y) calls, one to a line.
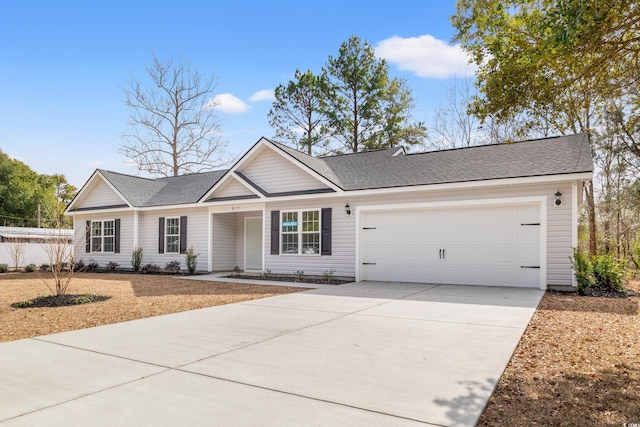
point(375, 354)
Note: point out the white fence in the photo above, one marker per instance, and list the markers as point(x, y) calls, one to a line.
point(32, 244)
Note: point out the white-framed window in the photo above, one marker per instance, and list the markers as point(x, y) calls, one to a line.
point(300, 232)
point(172, 235)
point(103, 236)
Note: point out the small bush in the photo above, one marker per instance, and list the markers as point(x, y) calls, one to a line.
point(79, 266)
point(150, 269)
point(327, 275)
point(191, 260)
point(608, 274)
point(236, 271)
point(298, 275)
point(4, 268)
point(92, 266)
point(30, 268)
point(136, 259)
point(111, 266)
point(582, 270)
point(172, 266)
point(45, 267)
point(266, 273)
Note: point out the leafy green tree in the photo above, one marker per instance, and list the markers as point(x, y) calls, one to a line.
point(531, 63)
point(21, 192)
point(365, 107)
point(297, 114)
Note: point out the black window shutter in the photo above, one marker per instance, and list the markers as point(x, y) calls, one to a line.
point(116, 236)
point(161, 236)
point(326, 232)
point(183, 234)
point(275, 232)
point(87, 247)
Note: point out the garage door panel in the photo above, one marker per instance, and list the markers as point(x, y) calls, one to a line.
point(482, 245)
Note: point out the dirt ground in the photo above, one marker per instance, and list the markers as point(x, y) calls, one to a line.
point(577, 364)
point(133, 296)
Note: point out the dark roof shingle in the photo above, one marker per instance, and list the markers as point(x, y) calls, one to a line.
point(382, 169)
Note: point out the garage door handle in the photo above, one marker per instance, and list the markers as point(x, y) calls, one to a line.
point(531, 223)
point(368, 228)
point(529, 266)
point(368, 263)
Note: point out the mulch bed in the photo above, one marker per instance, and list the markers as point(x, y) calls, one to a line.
point(60, 300)
point(292, 279)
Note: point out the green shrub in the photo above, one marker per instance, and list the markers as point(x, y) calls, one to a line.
point(236, 271)
point(4, 268)
point(150, 269)
point(608, 274)
point(191, 260)
point(327, 275)
point(45, 267)
point(111, 266)
point(30, 268)
point(92, 266)
point(79, 266)
point(136, 259)
point(582, 270)
point(172, 266)
point(298, 275)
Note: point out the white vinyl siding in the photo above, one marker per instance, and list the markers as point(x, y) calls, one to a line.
point(274, 174)
point(197, 236)
point(233, 188)
point(99, 195)
point(103, 258)
point(343, 258)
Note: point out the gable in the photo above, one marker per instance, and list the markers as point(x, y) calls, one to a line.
point(232, 189)
point(98, 195)
point(273, 173)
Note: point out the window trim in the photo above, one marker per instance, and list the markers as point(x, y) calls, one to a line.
point(167, 235)
point(102, 236)
point(299, 232)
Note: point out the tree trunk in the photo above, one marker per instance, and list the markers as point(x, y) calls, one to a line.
point(591, 209)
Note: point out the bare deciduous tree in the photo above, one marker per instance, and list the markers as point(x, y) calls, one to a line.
point(16, 247)
point(62, 253)
point(173, 126)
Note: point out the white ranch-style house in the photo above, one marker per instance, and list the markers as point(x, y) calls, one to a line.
point(503, 215)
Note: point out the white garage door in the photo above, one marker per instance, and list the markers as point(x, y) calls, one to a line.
point(489, 245)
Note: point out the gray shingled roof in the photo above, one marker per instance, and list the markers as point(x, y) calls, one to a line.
point(541, 157)
point(144, 192)
point(381, 169)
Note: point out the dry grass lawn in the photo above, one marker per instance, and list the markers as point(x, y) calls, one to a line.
point(133, 296)
point(577, 364)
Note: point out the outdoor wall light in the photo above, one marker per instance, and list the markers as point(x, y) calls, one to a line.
point(558, 201)
point(347, 209)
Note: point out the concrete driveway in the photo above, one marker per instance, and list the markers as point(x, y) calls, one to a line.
point(360, 354)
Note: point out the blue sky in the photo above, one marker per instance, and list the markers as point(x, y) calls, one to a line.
point(63, 65)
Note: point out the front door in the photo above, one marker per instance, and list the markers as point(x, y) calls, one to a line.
point(253, 243)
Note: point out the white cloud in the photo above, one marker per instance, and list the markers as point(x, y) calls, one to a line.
point(426, 56)
point(227, 103)
point(262, 95)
